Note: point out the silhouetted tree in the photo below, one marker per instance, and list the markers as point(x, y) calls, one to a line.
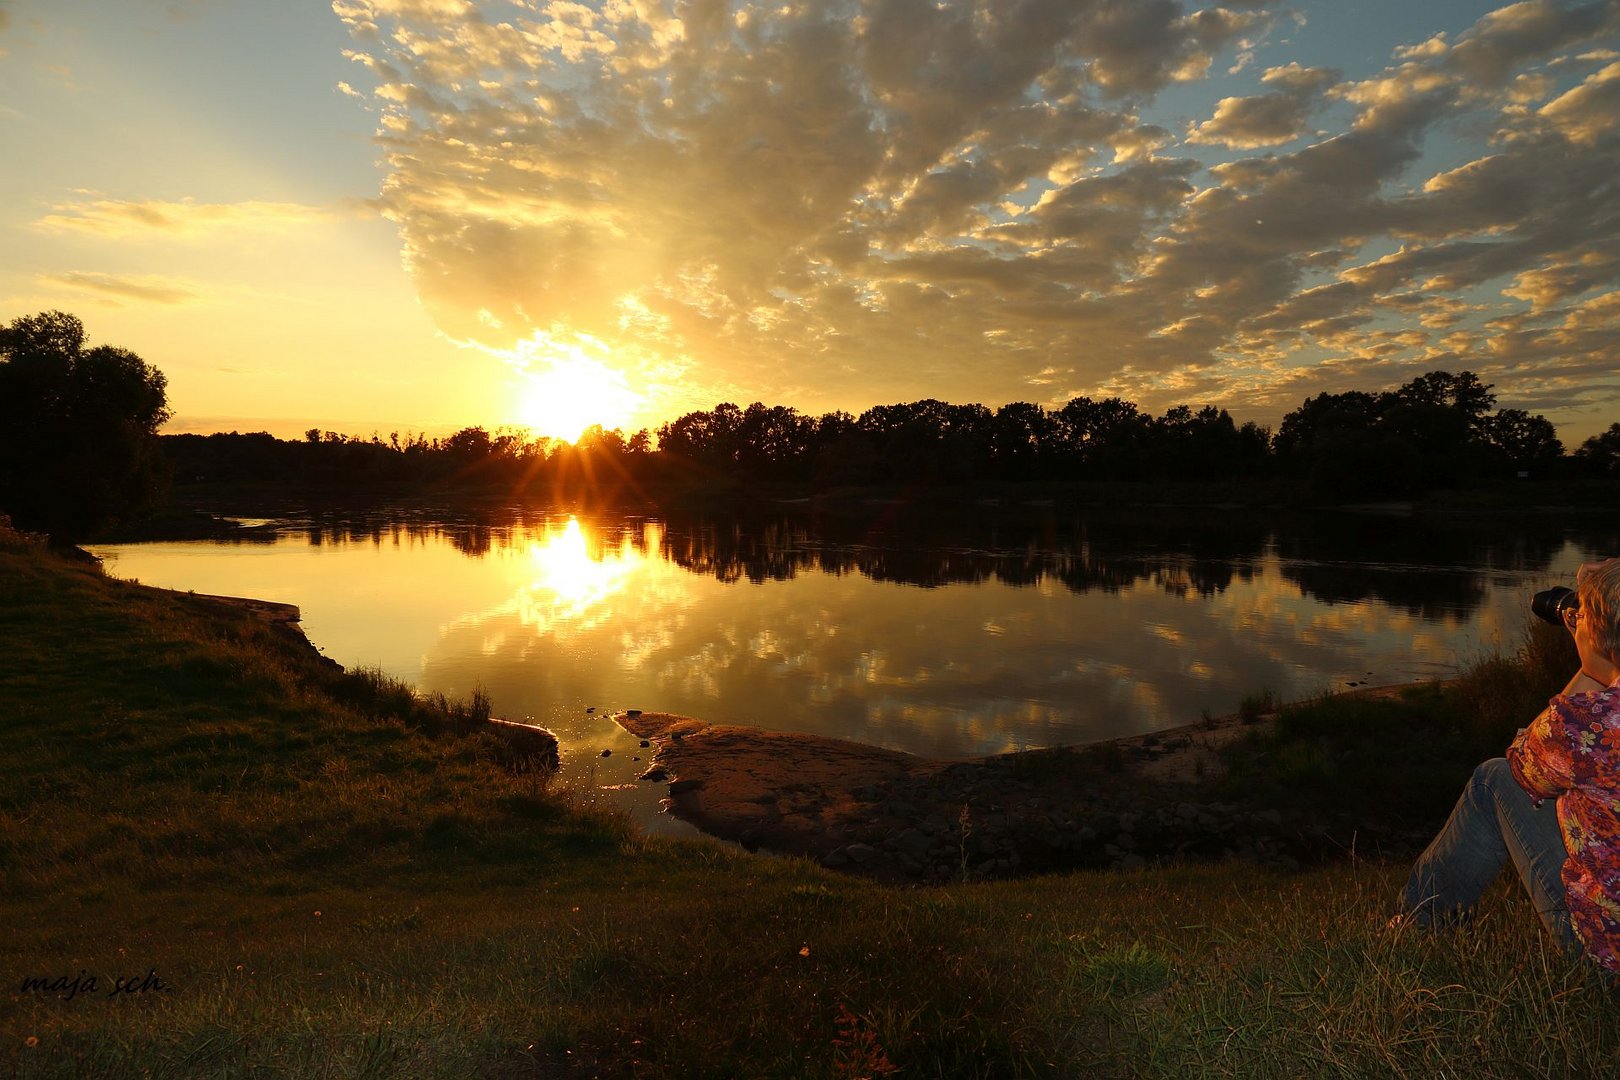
point(1522, 442)
point(1022, 437)
point(77, 428)
point(1462, 393)
point(1599, 455)
point(1436, 429)
point(1326, 415)
point(1098, 439)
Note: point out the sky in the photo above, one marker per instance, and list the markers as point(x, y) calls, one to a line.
point(376, 215)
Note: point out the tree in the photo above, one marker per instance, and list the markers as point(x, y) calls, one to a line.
point(1101, 438)
point(1599, 455)
point(1324, 416)
point(1462, 392)
point(1521, 441)
point(78, 427)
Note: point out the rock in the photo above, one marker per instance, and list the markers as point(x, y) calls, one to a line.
point(655, 773)
point(528, 747)
point(861, 854)
point(836, 857)
point(645, 743)
point(607, 753)
point(912, 842)
point(681, 787)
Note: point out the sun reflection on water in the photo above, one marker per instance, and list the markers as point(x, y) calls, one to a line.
point(573, 584)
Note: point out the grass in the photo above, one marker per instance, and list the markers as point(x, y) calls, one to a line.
point(333, 876)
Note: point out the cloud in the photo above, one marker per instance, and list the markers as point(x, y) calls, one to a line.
point(884, 199)
point(1245, 123)
point(1587, 113)
point(141, 288)
point(121, 219)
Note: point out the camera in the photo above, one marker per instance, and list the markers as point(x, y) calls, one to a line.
point(1550, 605)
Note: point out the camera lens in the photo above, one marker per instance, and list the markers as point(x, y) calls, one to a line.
point(1549, 605)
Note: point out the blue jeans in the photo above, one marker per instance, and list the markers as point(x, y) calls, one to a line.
point(1493, 821)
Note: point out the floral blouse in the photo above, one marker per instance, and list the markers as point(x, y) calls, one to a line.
point(1572, 752)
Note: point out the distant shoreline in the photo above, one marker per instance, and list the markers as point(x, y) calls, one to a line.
point(203, 511)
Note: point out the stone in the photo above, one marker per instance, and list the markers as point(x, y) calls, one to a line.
point(681, 787)
point(654, 773)
point(836, 857)
point(530, 747)
point(912, 842)
point(861, 854)
point(607, 753)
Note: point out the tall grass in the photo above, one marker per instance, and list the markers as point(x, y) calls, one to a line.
point(1396, 762)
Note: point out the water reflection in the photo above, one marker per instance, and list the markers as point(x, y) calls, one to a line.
point(934, 636)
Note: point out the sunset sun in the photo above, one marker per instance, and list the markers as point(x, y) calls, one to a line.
point(574, 393)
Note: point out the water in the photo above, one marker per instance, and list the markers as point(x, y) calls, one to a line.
point(942, 638)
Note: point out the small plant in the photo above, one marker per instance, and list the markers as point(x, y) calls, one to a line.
point(1128, 970)
point(857, 1054)
point(1254, 706)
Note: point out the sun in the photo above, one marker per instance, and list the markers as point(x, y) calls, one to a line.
point(571, 394)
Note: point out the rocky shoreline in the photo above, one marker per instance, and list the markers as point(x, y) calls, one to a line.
point(900, 818)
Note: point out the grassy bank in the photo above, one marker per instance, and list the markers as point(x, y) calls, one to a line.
point(311, 873)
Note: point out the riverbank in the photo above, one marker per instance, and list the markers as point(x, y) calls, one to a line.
point(216, 858)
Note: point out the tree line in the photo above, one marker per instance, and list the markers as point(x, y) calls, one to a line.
point(79, 448)
point(1438, 429)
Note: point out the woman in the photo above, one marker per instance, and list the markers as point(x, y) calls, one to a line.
point(1552, 805)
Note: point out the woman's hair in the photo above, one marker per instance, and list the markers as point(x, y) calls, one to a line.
point(1597, 585)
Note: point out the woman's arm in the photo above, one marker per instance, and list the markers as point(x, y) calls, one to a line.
point(1540, 757)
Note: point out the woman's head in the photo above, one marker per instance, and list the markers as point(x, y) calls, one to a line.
point(1597, 585)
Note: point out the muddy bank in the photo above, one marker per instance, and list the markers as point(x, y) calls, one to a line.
point(901, 818)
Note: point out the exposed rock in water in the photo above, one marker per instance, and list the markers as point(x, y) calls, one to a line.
point(901, 818)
